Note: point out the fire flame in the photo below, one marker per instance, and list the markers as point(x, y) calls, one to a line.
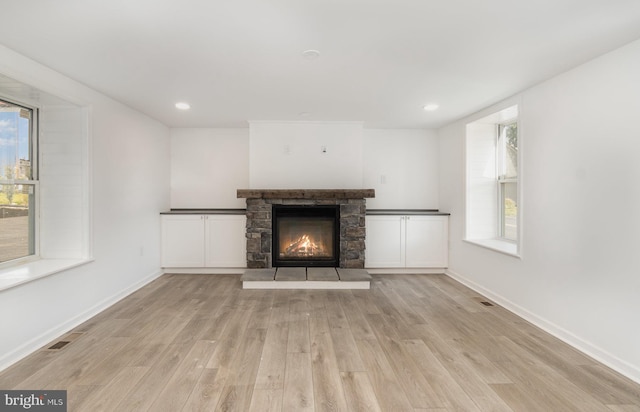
point(304, 246)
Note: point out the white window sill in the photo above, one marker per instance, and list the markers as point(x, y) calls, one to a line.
point(17, 275)
point(502, 246)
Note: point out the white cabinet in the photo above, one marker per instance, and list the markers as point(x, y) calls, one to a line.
point(183, 241)
point(385, 242)
point(427, 241)
point(407, 241)
point(203, 241)
point(225, 241)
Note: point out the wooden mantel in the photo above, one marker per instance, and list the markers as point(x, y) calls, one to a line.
point(306, 193)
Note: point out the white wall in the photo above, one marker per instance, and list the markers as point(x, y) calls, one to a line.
point(208, 166)
point(578, 276)
point(288, 155)
point(482, 191)
point(402, 166)
point(64, 224)
point(130, 187)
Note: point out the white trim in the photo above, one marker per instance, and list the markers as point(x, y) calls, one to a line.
point(499, 245)
point(87, 182)
point(205, 271)
point(28, 272)
point(36, 343)
point(615, 363)
point(515, 100)
point(406, 271)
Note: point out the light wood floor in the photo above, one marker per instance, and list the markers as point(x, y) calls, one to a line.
point(411, 343)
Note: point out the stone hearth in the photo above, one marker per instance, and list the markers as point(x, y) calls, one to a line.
point(352, 203)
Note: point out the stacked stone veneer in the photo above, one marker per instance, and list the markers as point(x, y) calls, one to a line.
point(353, 209)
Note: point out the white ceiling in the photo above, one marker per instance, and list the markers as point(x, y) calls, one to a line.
point(381, 61)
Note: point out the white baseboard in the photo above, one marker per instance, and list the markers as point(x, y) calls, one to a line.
point(406, 271)
point(602, 356)
point(38, 342)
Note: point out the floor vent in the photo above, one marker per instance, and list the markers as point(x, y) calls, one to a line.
point(487, 303)
point(59, 345)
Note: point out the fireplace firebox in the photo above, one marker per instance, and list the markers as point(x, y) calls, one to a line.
point(306, 235)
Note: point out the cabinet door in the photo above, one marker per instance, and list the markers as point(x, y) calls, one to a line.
point(182, 241)
point(384, 242)
point(226, 243)
point(427, 240)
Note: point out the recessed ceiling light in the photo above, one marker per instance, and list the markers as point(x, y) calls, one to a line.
point(311, 54)
point(183, 106)
point(431, 107)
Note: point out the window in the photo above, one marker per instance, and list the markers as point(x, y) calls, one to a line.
point(45, 204)
point(492, 190)
point(18, 182)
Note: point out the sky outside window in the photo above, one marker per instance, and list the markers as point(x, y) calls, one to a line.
point(14, 142)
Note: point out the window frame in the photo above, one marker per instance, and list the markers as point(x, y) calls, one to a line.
point(502, 179)
point(33, 181)
point(483, 215)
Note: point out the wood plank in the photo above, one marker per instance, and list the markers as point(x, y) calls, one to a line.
point(150, 386)
point(327, 385)
point(274, 353)
point(107, 397)
point(445, 388)
point(263, 400)
point(291, 274)
point(390, 395)
point(298, 339)
point(305, 193)
point(176, 392)
point(359, 392)
point(344, 343)
point(203, 398)
point(524, 369)
point(359, 326)
point(242, 372)
point(517, 397)
point(414, 384)
point(322, 274)
point(464, 374)
point(298, 384)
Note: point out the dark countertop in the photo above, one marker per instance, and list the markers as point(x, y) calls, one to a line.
point(205, 212)
point(392, 212)
point(371, 212)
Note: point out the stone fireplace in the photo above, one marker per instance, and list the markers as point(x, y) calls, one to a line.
point(349, 206)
